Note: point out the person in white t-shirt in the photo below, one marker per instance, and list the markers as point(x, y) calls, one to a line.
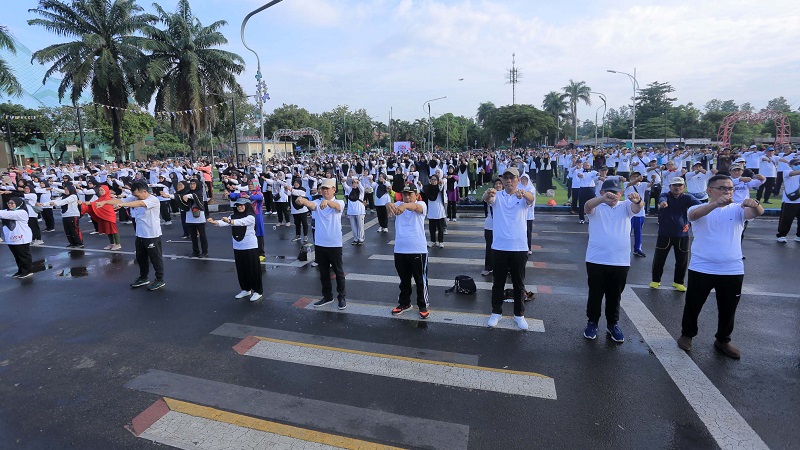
point(410, 250)
point(509, 244)
point(608, 255)
point(18, 236)
point(145, 208)
point(717, 261)
point(790, 208)
point(245, 248)
point(327, 214)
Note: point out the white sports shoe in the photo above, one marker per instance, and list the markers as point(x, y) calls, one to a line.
point(521, 322)
point(242, 294)
point(493, 319)
point(256, 297)
point(782, 240)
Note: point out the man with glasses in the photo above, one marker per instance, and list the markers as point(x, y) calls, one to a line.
point(717, 261)
point(673, 232)
point(509, 244)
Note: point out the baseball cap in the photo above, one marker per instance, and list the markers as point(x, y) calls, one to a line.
point(611, 186)
point(698, 163)
point(512, 170)
point(677, 180)
point(410, 187)
point(753, 146)
point(769, 149)
point(737, 167)
point(242, 201)
point(328, 183)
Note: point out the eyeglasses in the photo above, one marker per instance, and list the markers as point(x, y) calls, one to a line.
point(723, 188)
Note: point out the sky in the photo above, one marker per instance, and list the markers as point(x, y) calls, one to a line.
point(384, 55)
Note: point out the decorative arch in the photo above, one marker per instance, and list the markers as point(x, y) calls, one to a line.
point(783, 131)
point(296, 134)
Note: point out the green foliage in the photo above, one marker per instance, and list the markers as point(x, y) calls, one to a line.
point(169, 145)
point(574, 93)
point(524, 123)
point(717, 105)
point(778, 104)
point(23, 131)
point(134, 127)
point(8, 81)
point(185, 70)
point(653, 102)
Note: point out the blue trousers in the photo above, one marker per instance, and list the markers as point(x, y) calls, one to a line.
point(636, 224)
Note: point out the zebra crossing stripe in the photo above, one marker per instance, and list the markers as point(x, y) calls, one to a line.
point(482, 245)
point(187, 425)
point(437, 316)
point(527, 384)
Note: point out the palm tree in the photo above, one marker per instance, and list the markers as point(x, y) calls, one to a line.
point(185, 70)
point(8, 82)
point(103, 55)
point(555, 105)
point(485, 109)
point(574, 93)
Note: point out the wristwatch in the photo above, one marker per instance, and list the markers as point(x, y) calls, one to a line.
point(637, 203)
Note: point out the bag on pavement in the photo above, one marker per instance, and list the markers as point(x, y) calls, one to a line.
point(464, 284)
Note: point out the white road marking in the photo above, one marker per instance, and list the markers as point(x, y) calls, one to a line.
point(726, 426)
point(477, 262)
point(482, 245)
point(186, 431)
point(437, 316)
point(446, 374)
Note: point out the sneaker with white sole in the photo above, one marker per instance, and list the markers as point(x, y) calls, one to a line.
point(242, 294)
point(256, 297)
point(116, 247)
point(486, 272)
point(590, 332)
point(521, 322)
point(493, 319)
point(616, 334)
point(782, 240)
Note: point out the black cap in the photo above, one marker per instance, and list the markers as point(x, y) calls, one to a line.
point(611, 186)
point(409, 187)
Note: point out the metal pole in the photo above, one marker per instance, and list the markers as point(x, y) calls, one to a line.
point(430, 123)
point(10, 141)
point(633, 133)
point(80, 130)
point(344, 130)
point(235, 135)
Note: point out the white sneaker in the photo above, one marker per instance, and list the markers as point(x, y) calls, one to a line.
point(521, 322)
point(37, 242)
point(441, 245)
point(485, 272)
point(493, 319)
point(256, 297)
point(445, 231)
point(169, 222)
point(242, 294)
point(431, 244)
point(107, 247)
point(782, 240)
point(455, 220)
point(116, 247)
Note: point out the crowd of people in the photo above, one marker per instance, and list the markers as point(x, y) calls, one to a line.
point(610, 189)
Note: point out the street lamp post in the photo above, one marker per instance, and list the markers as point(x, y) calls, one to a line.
point(80, 130)
point(262, 87)
point(603, 98)
point(635, 87)
point(430, 122)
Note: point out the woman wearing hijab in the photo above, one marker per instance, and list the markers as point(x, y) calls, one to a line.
point(463, 179)
point(29, 197)
point(452, 193)
point(300, 215)
point(356, 211)
point(104, 216)
point(18, 235)
point(196, 218)
point(43, 200)
point(245, 248)
point(70, 213)
point(381, 190)
point(434, 194)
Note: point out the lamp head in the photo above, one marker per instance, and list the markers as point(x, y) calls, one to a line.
point(612, 71)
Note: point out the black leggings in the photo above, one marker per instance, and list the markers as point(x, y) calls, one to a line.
point(451, 210)
point(383, 216)
point(300, 219)
point(436, 226)
point(49, 221)
point(33, 224)
point(283, 211)
point(248, 270)
point(72, 230)
point(196, 229)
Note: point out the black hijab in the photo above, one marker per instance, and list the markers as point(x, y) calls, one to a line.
point(238, 232)
point(9, 223)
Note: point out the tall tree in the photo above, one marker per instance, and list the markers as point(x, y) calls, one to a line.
point(485, 109)
point(103, 56)
point(554, 103)
point(778, 104)
point(8, 82)
point(574, 93)
point(184, 69)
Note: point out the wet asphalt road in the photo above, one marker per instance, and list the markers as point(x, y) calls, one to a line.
point(75, 335)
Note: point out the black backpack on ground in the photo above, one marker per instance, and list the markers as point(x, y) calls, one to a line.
point(464, 285)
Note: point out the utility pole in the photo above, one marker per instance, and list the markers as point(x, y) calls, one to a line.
point(235, 135)
point(80, 130)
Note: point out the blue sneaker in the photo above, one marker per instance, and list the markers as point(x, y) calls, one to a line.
point(590, 332)
point(616, 334)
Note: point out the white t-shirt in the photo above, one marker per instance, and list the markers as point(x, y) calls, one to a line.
point(639, 189)
point(409, 231)
point(148, 223)
point(328, 225)
point(510, 229)
point(790, 184)
point(249, 241)
point(717, 246)
point(609, 234)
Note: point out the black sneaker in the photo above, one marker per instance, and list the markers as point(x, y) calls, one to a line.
point(23, 275)
point(155, 285)
point(322, 302)
point(204, 255)
point(399, 309)
point(140, 282)
point(342, 303)
point(194, 255)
